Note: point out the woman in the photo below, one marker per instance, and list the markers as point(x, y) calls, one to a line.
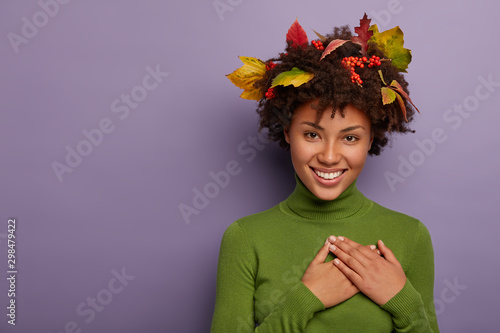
point(331, 102)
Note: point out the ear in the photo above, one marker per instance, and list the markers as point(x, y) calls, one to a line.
point(287, 134)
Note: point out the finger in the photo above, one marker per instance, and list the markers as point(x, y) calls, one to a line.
point(374, 249)
point(347, 259)
point(348, 272)
point(366, 250)
point(331, 239)
point(322, 253)
point(356, 250)
point(387, 253)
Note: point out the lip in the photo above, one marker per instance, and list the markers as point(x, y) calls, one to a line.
point(328, 182)
point(327, 170)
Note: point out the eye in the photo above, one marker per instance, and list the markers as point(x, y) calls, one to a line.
point(351, 138)
point(311, 135)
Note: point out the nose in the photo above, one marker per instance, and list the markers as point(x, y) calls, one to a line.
point(330, 153)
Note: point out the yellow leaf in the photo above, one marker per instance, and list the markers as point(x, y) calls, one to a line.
point(253, 69)
point(252, 94)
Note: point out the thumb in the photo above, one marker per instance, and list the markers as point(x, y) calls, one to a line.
point(322, 253)
point(387, 253)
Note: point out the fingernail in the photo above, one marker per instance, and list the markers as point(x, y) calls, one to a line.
point(341, 238)
point(333, 247)
point(336, 261)
point(382, 242)
point(378, 251)
point(332, 239)
point(327, 241)
point(373, 247)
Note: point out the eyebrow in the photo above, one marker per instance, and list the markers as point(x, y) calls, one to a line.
point(347, 129)
point(316, 126)
point(352, 128)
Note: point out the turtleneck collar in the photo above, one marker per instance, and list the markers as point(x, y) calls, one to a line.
point(304, 203)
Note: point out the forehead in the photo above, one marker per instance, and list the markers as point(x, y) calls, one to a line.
point(309, 114)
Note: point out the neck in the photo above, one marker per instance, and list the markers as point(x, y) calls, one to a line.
point(304, 203)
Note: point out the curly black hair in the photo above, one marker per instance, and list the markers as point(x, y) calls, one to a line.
point(332, 87)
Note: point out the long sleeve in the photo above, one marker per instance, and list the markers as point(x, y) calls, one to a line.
point(263, 257)
point(412, 309)
point(234, 306)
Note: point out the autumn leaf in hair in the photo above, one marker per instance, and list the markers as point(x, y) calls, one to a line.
point(395, 91)
point(364, 34)
point(332, 46)
point(295, 77)
point(253, 69)
point(390, 42)
point(362, 38)
point(297, 35)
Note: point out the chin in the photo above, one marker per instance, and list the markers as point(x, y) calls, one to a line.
point(326, 195)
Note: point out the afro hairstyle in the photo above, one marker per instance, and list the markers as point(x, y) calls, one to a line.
point(332, 88)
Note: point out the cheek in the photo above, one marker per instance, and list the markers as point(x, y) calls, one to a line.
point(297, 155)
point(299, 159)
point(301, 153)
point(357, 158)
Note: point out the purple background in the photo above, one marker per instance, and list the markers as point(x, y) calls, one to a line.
point(119, 208)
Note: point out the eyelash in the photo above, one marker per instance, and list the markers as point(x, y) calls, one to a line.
point(309, 135)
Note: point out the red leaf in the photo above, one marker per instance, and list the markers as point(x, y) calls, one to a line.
point(363, 34)
point(334, 44)
point(397, 87)
point(402, 105)
point(297, 35)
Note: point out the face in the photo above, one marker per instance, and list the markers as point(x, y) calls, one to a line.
point(328, 156)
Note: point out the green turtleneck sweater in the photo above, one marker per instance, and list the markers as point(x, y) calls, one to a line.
point(263, 257)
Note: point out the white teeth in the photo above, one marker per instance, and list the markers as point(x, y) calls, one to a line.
point(331, 175)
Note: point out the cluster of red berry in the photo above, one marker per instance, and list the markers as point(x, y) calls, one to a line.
point(270, 94)
point(374, 61)
point(270, 65)
point(318, 44)
point(350, 63)
point(283, 55)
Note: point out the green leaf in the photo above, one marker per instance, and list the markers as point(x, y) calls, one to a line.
point(381, 77)
point(391, 43)
point(388, 95)
point(295, 77)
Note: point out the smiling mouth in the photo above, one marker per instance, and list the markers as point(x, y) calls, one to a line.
point(329, 175)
